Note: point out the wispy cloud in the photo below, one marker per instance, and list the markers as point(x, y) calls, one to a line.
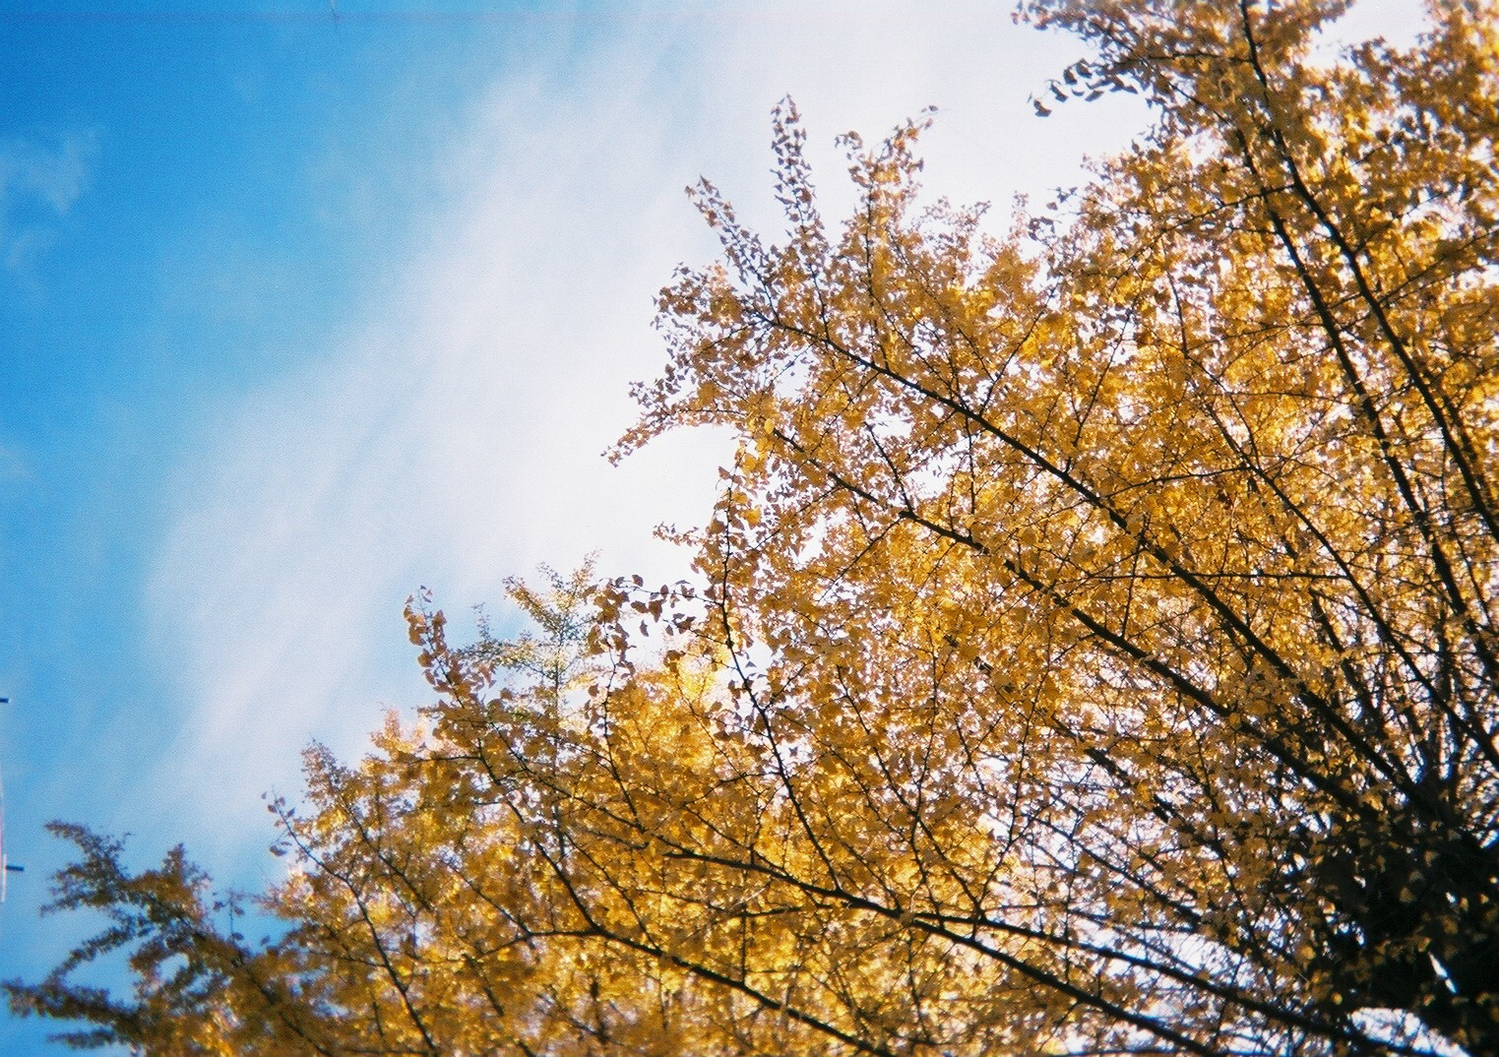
point(451, 436)
point(39, 183)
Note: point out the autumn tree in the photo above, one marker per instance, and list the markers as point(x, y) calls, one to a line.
point(1093, 650)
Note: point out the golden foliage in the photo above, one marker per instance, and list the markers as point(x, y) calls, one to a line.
point(1095, 643)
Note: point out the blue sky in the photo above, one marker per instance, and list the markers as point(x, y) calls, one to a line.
point(298, 315)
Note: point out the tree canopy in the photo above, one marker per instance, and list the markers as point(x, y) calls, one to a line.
point(1092, 650)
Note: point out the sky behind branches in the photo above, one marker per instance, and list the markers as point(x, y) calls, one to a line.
point(300, 313)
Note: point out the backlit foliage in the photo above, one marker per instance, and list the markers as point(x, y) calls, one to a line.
point(1093, 650)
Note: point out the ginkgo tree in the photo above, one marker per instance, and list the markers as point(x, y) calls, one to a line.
point(1093, 648)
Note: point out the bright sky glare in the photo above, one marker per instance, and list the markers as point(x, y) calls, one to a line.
point(299, 313)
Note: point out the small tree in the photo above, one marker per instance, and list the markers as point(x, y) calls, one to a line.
point(1095, 648)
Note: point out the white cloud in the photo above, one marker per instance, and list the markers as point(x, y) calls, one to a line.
point(38, 185)
point(56, 176)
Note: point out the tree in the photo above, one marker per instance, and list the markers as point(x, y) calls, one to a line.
point(1094, 649)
